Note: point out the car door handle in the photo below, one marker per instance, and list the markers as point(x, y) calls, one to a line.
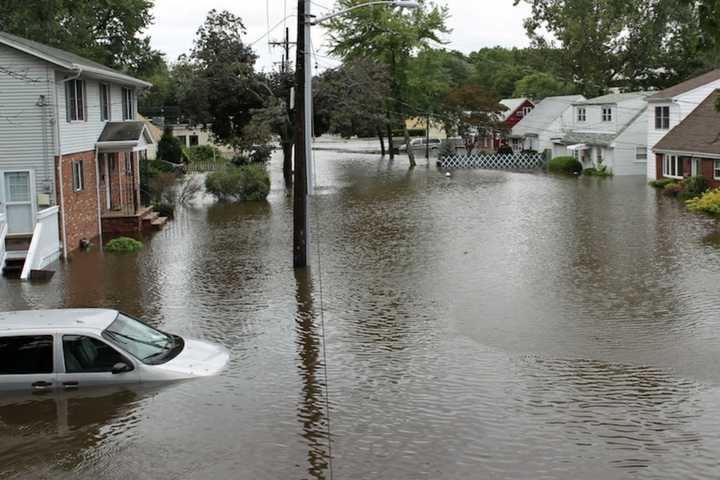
point(41, 386)
point(71, 385)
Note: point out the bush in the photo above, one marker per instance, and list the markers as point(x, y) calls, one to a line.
point(505, 150)
point(166, 210)
point(124, 245)
point(673, 189)
point(169, 148)
point(447, 148)
point(244, 183)
point(708, 202)
point(695, 186)
point(565, 165)
point(601, 171)
point(204, 153)
point(660, 183)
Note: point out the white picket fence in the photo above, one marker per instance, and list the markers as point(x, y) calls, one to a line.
point(493, 161)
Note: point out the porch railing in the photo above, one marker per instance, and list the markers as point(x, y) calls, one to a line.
point(45, 244)
point(3, 234)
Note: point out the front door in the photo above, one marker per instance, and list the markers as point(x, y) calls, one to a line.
point(17, 201)
point(695, 167)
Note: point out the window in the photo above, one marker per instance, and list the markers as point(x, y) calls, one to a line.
point(129, 164)
point(672, 166)
point(128, 104)
point(183, 140)
point(26, 355)
point(526, 110)
point(641, 154)
point(193, 140)
point(89, 355)
point(75, 100)
point(78, 175)
point(581, 114)
point(716, 171)
point(662, 118)
point(143, 342)
point(104, 102)
point(607, 114)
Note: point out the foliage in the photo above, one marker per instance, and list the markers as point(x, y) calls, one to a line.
point(169, 148)
point(565, 165)
point(695, 186)
point(243, 183)
point(540, 85)
point(471, 110)
point(708, 202)
point(673, 189)
point(204, 153)
point(166, 210)
point(447, 148)
point(505, 149)
point(124, 245)
point(598, 171)
point(661, 182)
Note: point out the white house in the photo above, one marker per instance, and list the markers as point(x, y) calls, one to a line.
point(671, 106)
point(610, 130)
point(70, 146)
point(545, 122)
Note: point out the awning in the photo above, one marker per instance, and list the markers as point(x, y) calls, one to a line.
point(578, 147)
point(124, 136)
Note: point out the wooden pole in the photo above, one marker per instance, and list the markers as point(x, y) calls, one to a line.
point(300, 217)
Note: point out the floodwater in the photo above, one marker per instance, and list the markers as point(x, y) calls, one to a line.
point(488, 325)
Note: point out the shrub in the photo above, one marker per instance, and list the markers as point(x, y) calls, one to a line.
point(565, 165)
point(244, 183)
point(166, 210)
point(204, 153)
point(673, 189)
point(708, 202)
point(601, 171)
point(124, 245)
point(660, 183)
point(447, 148)
point(505, 150)
point(169, 148)
point(261, 154)
point(695, 186)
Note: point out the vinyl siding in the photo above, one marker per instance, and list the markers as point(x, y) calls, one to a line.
point(625, 154)
point(81, 136)
point(27, 132)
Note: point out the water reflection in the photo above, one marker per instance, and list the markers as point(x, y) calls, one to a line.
point(311, 410)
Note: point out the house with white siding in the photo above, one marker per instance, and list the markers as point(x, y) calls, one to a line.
point(610, 130)
point(669, 107)
point(70, 147)
point(544, 123)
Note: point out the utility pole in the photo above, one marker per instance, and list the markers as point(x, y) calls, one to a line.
point(285, 64)
point(303, 98)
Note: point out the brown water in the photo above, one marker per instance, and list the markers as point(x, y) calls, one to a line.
point(489, 325)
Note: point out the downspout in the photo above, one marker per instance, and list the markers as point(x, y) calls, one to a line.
point(60, 163)
point(97, 195)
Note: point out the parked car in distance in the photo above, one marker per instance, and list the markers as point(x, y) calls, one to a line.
point(420, 143)
point(48, 350)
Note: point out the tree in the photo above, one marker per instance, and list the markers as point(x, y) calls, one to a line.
point(540, 85)
point(388, 35)
point(219, 87)
point(169, 148)
point(107, 31)
point(473, 111)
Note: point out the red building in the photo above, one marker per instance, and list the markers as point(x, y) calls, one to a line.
point(692, 148)
point(517, 109)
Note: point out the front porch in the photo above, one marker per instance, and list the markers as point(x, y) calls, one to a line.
point(143, 220)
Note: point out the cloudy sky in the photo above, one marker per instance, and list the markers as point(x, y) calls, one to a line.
point(475, 24)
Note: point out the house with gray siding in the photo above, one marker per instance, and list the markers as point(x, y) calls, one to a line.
point(70, 147)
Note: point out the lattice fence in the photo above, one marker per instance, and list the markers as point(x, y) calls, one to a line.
point(493, 161)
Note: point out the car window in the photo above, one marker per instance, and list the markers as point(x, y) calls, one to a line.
point(26, 355)
point(147, 344)
point(86, 355)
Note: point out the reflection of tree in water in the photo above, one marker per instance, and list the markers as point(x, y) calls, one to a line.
point(36, 432)
point(311, 408)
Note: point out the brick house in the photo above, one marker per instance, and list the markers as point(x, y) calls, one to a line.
point(692, 148)
point(71, 147)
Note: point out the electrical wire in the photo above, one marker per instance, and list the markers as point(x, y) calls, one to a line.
point(266, 34)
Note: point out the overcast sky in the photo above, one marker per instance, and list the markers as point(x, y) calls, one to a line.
point(475, 24)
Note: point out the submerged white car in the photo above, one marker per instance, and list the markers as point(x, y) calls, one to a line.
point(47, 350)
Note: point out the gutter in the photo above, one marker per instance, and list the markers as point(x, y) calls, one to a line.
point(714, 156)
point(114, 75)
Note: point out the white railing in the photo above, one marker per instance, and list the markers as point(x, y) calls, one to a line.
point(45, 245)
point(494, 161)
point(3, 234)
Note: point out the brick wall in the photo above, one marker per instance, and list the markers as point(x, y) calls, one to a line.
point(708, 171)
point(81, 215)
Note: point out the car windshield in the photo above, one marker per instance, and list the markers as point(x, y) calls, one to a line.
point(143, 342)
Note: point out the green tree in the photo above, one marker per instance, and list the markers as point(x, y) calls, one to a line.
point(388, 35)
point(169, 148)
point(473, 112)
point(540, 85)
point(107, 31)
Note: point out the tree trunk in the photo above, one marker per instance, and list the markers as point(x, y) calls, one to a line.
point(382, 141)
point(391, 142)
point(411, 154)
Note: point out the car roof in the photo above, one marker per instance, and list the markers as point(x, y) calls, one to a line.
point(93, 319)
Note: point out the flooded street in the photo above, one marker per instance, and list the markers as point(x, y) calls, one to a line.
point(488, 325)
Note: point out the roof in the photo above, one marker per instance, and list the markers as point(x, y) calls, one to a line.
point(686, 86)
point(122, 132)
point(512, 104)
point(613, 98)
point(67, 60)
point(544, 113)
point(155, 132)
point(601, 139)
point(94, 319)
point(698, 133)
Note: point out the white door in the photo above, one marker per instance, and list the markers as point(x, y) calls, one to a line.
point(695, 167)
point(16, 199)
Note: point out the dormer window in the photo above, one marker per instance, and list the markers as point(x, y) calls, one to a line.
point(662, 118)
point(607, 114)
point(128, 104)
point(581, 114)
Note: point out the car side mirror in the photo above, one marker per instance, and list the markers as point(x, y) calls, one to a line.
point(121, 367)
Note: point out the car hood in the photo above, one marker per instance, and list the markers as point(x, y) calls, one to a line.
point(198, 359)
